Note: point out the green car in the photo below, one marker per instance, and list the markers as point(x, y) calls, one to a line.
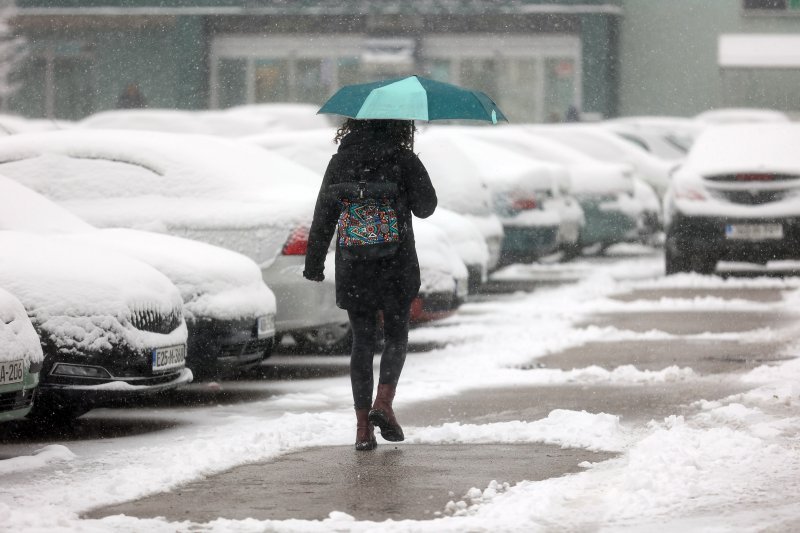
point(20, 359)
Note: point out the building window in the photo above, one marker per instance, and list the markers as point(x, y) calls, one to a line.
point(771, 7)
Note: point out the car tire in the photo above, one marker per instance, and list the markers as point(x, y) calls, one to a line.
point(334, 339)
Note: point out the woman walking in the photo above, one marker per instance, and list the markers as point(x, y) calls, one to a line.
point(373, 155)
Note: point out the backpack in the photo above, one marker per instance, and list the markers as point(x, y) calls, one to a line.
point(367, 228)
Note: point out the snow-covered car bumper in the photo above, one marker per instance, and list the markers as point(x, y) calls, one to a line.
point(528, 243)
point(16, 399)
point(302, 304)
point(117, 390)
point(737, 239)
point(607, 221)
point(217, 346)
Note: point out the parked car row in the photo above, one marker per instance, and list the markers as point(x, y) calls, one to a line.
point(139, 256)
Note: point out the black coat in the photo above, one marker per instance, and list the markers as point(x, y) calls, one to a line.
point(377, 283)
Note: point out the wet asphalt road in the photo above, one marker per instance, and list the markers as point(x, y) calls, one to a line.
point(380, 485)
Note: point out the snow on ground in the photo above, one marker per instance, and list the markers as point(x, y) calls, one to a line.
point(731, 454)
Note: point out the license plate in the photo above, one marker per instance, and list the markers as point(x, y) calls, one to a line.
point(753, 232)
point(169, 357)
point(11, 372)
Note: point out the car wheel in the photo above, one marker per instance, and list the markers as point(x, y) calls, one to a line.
point(335, 339)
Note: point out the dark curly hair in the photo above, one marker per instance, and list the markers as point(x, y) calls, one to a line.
point(401, 132)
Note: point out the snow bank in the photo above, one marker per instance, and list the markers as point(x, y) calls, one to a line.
point(18, 339)
point(568, 429)
point(53, 453)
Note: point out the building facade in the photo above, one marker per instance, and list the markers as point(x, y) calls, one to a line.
point(685, 56)
point(535, 57)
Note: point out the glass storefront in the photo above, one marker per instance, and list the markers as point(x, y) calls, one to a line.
point(533, 78)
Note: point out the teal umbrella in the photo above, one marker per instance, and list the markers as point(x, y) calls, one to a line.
point(412, 98)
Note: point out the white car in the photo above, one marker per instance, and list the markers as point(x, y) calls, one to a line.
point(21, 359)
point(110, 327)
point(465, 169)
point(221, 192)
point(566, 176)
point(599, 143)
point(736, 197)
point(668, 138)
point(234, 122)
point(740, 115)
point(229, 311)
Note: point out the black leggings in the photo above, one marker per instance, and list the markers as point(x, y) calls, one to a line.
point(395, 342)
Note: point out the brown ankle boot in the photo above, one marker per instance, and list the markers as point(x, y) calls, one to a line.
point(382, 414)
point(365, 432)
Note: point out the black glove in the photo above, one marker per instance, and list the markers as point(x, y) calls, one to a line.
point(313, 276)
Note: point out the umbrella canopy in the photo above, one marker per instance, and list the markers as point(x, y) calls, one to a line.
point(412, 98)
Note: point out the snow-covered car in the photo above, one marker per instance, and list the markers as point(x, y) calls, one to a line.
point(110, 327)
point(668, 138)
point(443, 275)
point(740, 115)
point(560, 199)
point(736, 197)
point(599, 143)
point(466, 239)
point(233, 122)
point(518, 187)
point(229, 311)
point(225, 193)
point(21, 359)
point(313, 149)
point(606, 211)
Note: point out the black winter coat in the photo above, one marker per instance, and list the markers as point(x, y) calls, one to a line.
point(377, 283)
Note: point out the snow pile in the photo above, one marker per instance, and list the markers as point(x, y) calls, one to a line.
point(18, 339)
point(54, 453)
point(568, 429)
point(84, 299)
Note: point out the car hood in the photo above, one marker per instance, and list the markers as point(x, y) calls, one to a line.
point(214, 283)
point(82, 299)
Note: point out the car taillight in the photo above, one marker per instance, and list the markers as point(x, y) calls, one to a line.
point(755, 177)
point(523, 204)
point(297, 243)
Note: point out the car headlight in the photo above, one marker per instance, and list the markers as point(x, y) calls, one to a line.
point(80, 371)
